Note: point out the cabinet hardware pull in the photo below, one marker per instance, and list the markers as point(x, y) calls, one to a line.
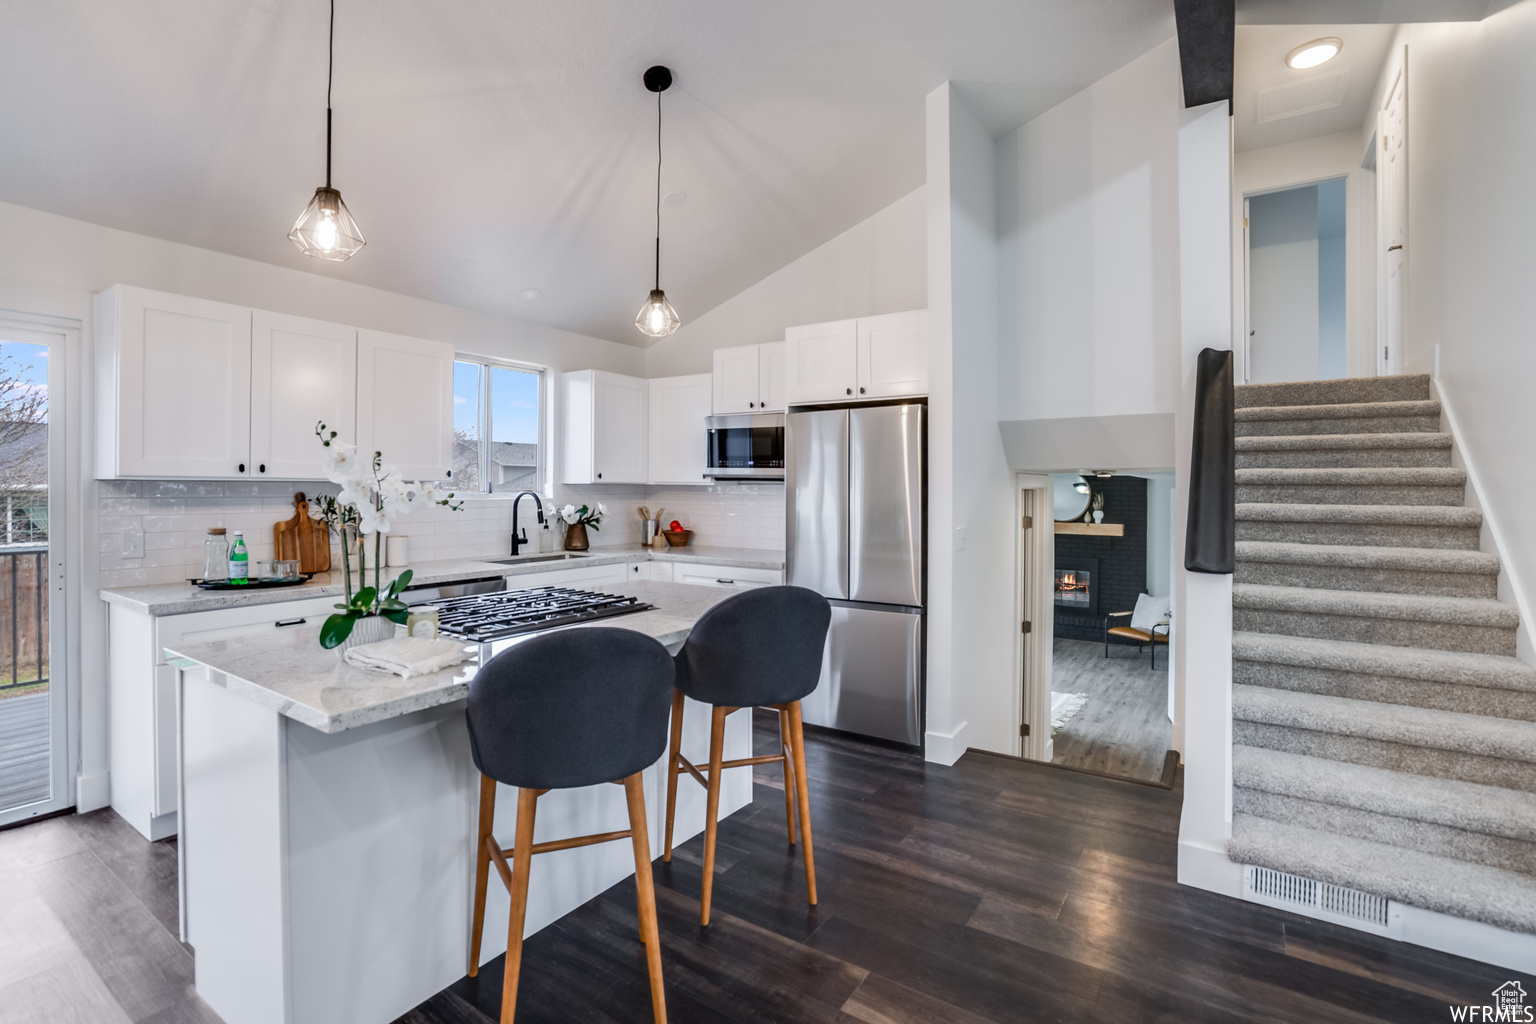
point(848, 390)
point(727, 582)
point(242, 467)
point(261, 468)
point(861, 391)
point(599, 476)
point(289, 622)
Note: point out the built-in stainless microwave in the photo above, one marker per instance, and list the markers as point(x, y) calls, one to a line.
point(746, 447)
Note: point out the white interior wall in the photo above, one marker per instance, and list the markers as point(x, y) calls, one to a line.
point(972, 543)
point(1282, 286)
point(1311, 160)
point(877, 266)
point(1087, 208)
point(1471, 217)
point(1332, 281)
point(51, 266)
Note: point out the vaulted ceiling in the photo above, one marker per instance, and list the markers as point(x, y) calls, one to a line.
point(487, 147)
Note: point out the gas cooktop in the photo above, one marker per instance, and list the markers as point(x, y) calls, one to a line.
point(493, 616)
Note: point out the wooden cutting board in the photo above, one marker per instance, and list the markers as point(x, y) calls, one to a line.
point(303, 538)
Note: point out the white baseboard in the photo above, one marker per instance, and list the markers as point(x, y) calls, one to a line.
point(93, 791)
point(1207, 867)
point(945, 748)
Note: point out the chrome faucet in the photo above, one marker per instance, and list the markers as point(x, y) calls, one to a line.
point(519, 540)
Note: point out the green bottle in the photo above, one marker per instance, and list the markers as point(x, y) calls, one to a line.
point(239, 560)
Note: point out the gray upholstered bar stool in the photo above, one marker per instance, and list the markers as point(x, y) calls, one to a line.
point(761, 648)
point(569, 709)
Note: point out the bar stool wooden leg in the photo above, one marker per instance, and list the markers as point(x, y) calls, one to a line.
point(522, 858)
point(645, 892)
point(482, 867)
point(712, 809)
point(674, 766)
point(789, 773)
point(797, 738)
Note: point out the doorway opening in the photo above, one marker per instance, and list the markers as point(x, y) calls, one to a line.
point(1297, 320)
point(1103, 574)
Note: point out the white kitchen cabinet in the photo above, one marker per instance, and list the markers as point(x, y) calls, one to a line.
point(749, 379)
point(725, 576)
point(605, 435)
point(893, 355)
point(142, 720)
point(405, 403)
point(656, 572)
point(678, 408)
point(821, 362)
point(173, 386)
point(770, 377)
point(579, 575)
point(303, 372)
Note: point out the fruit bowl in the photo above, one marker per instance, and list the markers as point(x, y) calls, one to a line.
point(678, 538)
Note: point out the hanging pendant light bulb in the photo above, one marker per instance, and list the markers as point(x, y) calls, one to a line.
point(326, 230)
point(657, 318)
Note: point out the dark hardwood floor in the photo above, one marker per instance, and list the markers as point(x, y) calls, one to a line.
point(992, 891)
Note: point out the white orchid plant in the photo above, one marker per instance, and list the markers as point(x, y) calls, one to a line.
point(578, 515)
point(373, 495)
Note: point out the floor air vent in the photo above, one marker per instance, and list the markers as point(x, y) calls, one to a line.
point(1314, 899)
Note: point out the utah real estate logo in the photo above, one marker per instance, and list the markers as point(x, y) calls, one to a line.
point(1508, 1006)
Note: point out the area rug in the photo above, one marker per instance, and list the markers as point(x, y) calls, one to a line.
point(1064, 708)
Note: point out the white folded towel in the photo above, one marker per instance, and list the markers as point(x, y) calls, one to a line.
point(409, 656)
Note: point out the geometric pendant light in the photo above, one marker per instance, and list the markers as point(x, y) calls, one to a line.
point(657, 318)
point(326, 230)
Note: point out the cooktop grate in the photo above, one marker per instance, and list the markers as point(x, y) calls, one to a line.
point(493, 616)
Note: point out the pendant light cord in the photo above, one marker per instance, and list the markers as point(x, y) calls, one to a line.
point(658, 188)
point(330, 69)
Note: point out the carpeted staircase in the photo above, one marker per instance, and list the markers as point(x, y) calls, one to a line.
point(1384, 735)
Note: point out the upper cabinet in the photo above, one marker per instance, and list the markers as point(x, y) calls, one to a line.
point(199, 389)
point(405, 403)
point(749, 379)
point(822, 362)
point(173, 381)
point(303, 372)
point(606, 430)
point(893, 355)
point(871, 357)
point(678, 407)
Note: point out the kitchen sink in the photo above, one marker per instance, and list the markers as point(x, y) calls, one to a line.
point(531, 559)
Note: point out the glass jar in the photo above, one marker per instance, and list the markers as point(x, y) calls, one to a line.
point(215, 555)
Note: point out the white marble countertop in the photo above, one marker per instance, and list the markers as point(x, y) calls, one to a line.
point(181, 598)
point(290, 673)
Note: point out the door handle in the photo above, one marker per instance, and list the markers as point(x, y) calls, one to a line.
point(1393, 248)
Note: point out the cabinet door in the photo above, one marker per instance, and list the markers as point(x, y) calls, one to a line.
point(736, 380)
point(678, 409)
point(619, 428)
point(405, 403)
point(821, 362)
point(725, 576)
point(183, 385)
point(893, 355)
point(303, 372)
point(770, 377)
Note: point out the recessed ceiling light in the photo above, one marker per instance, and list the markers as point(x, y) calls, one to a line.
point(529, 294)
point(676, 198)
point(1318, 51)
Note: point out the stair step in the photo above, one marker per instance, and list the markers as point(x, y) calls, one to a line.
point(1357, 486)
point(1351, 418)
point(1316, 451)
point(1399, 570)
point(1438, 526)
point(1442, 744)
point(1474, 684)
point(1479, 625)
point(1343, 391)
point(1482, 824)
point(1505, 899)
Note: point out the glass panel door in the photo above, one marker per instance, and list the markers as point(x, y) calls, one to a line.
point(32, 697)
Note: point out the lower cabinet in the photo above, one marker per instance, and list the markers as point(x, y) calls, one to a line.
point(586, 575)
point(725, 576)
point(142, 685)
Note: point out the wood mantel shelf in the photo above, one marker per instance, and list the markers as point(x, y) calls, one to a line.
point(1092, 529)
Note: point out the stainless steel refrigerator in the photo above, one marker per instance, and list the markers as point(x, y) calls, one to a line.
point(855, 482)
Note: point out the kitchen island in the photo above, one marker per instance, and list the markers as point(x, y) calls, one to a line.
point(328, 823)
